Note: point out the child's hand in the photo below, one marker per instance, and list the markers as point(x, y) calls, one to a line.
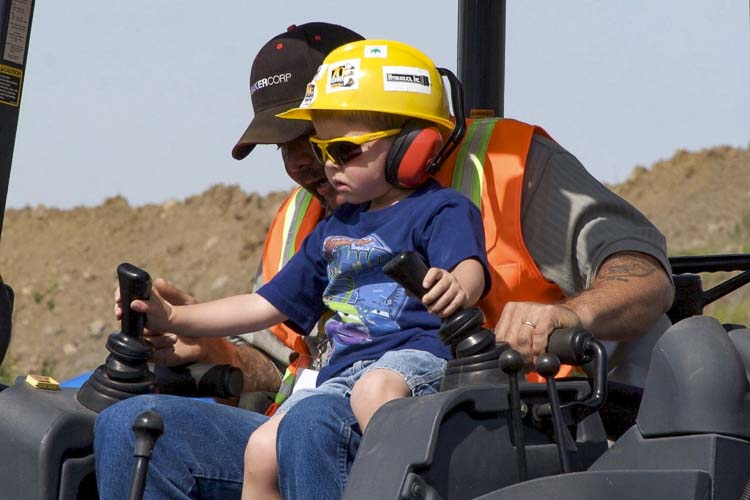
point(445, 295)
point(170, 349)
point(158, 311)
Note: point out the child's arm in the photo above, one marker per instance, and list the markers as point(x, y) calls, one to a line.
point(219, 318)
point(449, 291)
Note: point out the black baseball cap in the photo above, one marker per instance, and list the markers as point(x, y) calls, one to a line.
point(278, 79)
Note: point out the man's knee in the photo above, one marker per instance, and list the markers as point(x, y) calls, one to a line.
point(116, 421)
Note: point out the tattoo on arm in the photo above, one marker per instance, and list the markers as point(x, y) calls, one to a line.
point(260, 372)
point(622, 268)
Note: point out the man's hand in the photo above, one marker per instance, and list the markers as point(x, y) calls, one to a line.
point(526, 326)
point(445, 294)
point(629, 293)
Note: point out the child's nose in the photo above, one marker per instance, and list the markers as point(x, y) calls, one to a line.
point(332, 165)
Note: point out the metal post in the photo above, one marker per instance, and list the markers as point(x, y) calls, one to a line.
point(481, 56)
point(15, 26)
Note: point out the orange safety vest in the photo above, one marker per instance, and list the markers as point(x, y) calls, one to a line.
point(295, 219)
point(487, 168)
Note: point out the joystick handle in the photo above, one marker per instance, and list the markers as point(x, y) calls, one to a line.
point(147, 427)
point(408, 270)
point(135, 283)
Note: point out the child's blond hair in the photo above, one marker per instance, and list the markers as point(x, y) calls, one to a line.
point(372, 119)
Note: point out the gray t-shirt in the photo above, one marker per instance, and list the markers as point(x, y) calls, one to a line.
point(564, 208)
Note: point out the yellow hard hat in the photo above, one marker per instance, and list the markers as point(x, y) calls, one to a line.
point(377, 75)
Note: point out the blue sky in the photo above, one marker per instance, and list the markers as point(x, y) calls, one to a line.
point(146, 98)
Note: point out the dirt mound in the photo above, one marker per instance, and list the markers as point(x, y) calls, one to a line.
point(62, 266)
point(62, 263)
point(698, 200)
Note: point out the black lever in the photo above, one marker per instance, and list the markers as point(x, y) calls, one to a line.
point(462, 330)
point(511, 362)
point(130, 350)
point(135, 283)
point(147, 427)
point(408, 270)
point(200, 380)
point(125, 373)
point(547, 365)
point(578, 347)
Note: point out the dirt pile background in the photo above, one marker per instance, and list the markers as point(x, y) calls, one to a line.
point(62, 263)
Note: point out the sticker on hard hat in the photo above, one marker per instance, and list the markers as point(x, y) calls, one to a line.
point(310, 94)
point(376, 51)
point(343, 75)
point(406, 79)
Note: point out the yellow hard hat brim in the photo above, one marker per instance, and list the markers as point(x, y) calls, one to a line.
point(306, 114)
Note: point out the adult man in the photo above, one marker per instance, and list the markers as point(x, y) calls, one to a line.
point(201, 453)
point(563, 250)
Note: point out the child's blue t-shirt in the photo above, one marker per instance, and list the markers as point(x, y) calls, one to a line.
point(339, 268)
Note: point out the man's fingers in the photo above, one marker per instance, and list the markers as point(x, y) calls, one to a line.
point(512, 329)
point(165, 356)
point(171, 293)
point(162, 341)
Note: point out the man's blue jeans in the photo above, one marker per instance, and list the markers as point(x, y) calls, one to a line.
point(199, 455)
point(316, 443)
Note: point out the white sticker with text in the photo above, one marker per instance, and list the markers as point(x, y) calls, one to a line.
point(406, 79)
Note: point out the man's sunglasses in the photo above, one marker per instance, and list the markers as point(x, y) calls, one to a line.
point(343, 149)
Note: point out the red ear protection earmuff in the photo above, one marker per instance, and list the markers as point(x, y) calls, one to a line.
point(417, 152)
point(411, 153)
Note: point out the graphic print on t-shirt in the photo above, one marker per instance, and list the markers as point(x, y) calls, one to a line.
point(365, 303)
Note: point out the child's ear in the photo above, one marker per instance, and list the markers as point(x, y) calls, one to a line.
point(411, 152)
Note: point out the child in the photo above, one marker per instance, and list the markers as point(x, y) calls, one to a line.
point(384, 343)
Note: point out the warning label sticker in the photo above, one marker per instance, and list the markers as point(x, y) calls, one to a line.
point(18, 31)
point(10, 85)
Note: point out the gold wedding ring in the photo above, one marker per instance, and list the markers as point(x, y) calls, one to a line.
point(529, 323)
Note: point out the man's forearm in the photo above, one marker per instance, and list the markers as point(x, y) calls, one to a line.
point(260, 372)
point(630, 292)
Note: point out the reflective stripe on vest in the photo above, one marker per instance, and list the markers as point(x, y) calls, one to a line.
point(468, 175)
point(295, 219)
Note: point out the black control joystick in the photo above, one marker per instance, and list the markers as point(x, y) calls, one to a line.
point(147, 427)
point(511, 363)
point(125, 373)
point(547, 365)
point(473, 346)
point(462, 331)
